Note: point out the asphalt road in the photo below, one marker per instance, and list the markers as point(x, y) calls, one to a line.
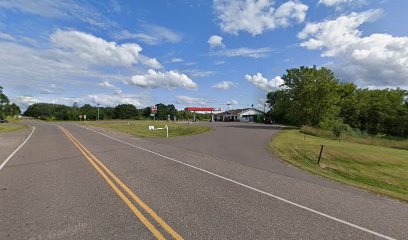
point(75, 183)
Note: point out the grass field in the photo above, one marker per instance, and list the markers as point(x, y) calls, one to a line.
point(384, 141)
point(140, 128)
point(9, 128)
point(378, 169)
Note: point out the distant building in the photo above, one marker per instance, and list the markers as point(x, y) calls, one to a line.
point(241, 115)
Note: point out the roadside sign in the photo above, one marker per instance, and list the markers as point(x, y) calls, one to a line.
point(80, 117)
point(152, 128)
point(151, 114)
point(153, 109)
point(84, 117)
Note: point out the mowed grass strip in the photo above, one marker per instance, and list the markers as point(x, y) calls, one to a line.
point(140, 128)
point(10, 128)
point(378, 169)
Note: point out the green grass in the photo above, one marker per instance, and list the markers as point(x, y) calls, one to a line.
point(384, 141)
point(12, 120)
point(10, 128)
point(378, 169)
point(140, 128)
point(378, 141)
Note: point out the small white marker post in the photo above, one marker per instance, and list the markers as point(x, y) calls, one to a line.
point(165, 127)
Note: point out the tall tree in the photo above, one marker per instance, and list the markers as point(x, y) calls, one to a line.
point(4, 101)
point(279, 102)
point(126, 111)
point(310, 95)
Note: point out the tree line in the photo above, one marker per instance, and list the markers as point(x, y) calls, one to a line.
point(7, 108)
point(315, 97)
point(48, 111)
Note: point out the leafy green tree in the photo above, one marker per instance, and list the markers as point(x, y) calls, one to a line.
point(126, 111)
point(107, 113)
point(161, 111)
point(171, 110)
point(14, 109)
point(3, 97)
point(315, 97)
point(90, 112)
point(279, 102)
point(146, 112)
point(40, 110)
point(349, 104)
point(4, 101)
point(380, 111)
point(310, 95)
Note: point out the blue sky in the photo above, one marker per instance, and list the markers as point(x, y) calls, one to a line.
point(193, 53)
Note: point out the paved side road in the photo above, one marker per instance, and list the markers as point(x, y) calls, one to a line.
point(54, 191)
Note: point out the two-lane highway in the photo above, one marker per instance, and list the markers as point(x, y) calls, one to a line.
point(70, 182)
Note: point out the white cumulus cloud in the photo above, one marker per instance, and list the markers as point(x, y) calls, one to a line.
point(73, 60)
point(224, 85)
point(215, 41)
point(263, 83)
point(108, 85)
point(109, 100)
point(257, 16)
point(169, 79)
point(96, 50)
point(374, 60)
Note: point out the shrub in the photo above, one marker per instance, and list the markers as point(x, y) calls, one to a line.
point(336, 126)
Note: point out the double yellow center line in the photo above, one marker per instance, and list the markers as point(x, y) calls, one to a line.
point(116, 184)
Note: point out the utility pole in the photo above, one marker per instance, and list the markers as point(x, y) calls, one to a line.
point(98, 110)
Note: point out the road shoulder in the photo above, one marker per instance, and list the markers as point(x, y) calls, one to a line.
point(9, 141)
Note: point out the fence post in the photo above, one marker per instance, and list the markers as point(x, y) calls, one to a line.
point(320, 155)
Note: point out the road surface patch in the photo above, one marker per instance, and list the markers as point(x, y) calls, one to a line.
point(18, 148)
point(250, 187)
point(101, 168)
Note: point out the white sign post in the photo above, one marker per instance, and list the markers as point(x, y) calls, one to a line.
point(152, 128)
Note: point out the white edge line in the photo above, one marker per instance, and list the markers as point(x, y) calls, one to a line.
point(252, 188)
point(18, 148)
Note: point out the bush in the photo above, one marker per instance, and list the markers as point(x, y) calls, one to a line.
point(336, 126)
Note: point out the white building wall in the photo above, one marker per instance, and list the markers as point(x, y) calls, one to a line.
point(248, 112)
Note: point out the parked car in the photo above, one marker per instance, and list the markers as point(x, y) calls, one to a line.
point(268, 121)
